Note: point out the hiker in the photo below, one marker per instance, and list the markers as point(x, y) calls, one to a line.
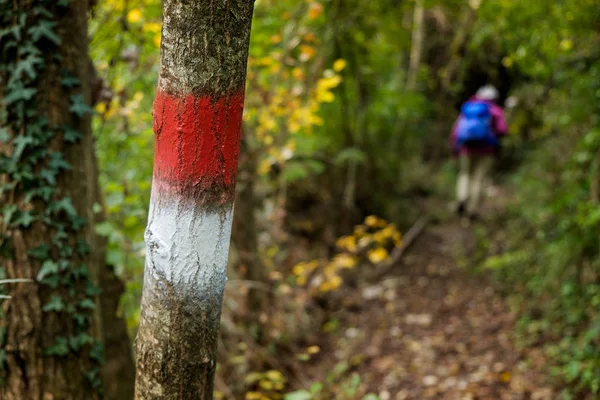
point(475, 141)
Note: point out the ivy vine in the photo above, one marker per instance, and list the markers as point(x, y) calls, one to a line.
point(29, 44)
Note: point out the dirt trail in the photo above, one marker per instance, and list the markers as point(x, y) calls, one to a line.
point(432, 330)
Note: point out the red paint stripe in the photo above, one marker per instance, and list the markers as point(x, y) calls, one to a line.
point(197, 141)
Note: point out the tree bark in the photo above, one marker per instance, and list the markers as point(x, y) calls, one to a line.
point(197, 122)
point(416, 46)
point(245, 231)
point(30, 372)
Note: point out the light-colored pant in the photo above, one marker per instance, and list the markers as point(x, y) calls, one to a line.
point(474, 170)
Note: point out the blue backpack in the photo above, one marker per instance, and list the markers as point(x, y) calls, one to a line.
point(475, 125)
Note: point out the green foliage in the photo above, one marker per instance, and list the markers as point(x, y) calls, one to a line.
point(32, 168)
point(553, 252)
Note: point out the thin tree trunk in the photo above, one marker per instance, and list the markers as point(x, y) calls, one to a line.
point(416, 46)
point(245, 231)
point(52, 328)
point(197, 121)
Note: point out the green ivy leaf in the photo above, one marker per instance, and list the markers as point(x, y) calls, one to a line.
point(4, 135)
point(44, 29)
point(40, 252)
point(55, 304)
point(77, 342)
point(48, 267)
point(65, 204)
point(57, 162)
point(20, 143)
point(24, 219)
point(78, 106)
point(22, 94)
point(83, 248)
point(60, 348)
point(92, 290)
point(87, 304)
point(71, 135)
point(69, 81)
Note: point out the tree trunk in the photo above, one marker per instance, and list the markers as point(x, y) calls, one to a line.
point(197, 122)
point(416, 46)
point(48, 187)
point(245, 230)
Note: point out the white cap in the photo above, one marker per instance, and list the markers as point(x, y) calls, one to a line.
point(487, 92)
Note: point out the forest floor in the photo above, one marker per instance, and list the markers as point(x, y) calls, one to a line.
point(433, 329)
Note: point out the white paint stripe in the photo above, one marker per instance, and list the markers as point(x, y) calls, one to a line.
point(187, 245)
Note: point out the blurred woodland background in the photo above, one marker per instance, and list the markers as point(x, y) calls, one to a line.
point(349, 106)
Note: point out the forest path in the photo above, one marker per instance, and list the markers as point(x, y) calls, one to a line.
point(433, 330)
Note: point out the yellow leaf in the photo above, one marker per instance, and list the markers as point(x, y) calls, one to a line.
point(344, 261)
point(298, 73)
point(157, 38)
point(253, 396)
point(275, 39)
point(347, 243)
point(325, 96)
point(101, 108)
point(267, 385)
point(315, 10)
point(325, 287)
point(335, 282)
point(275, 375)
point(301, 280)
point(339, 65)
point(566, 44)
point(373, 221)
point(310, 37)
point(153, 27)
point(377, 255)
point(264, 167)
point(138, 96)
point(505, 377)
point(134, 15)
point(313, 349)
point(298, 269)
point(307, 52)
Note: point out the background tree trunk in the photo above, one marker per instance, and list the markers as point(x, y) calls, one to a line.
point(53, 329)
point(197, 122)
point(416, 46)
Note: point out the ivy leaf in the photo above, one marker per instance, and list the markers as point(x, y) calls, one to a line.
point(19, 94)
point(65, 204)
point(59, 349)
point(78, 106)
point(69, 81)
point(55, 304)
point(48, 267)
point(4, 135)
point(8, 213)
point(20, 143)
point(49, 175)
point(83, 248)
point(44, 29)
point(40, 252)
point(92, 290)
point(27, 65)
point(57, 162)
point(77, 342)
point(24, 219)
point(87, 304)
point(63, 3)
point(80, 320)
point(71, 135)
